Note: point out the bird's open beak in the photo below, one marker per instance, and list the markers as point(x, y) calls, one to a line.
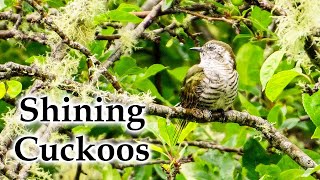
point(196, 49)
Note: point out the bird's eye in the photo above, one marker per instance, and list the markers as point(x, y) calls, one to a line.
point(212, 48)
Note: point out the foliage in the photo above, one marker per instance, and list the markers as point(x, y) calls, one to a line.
point(276, 77)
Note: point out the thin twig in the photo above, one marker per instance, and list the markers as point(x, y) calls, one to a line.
point(195, 7)
point(11, 69)
point(122, 166)
point(17, 34)
point(200, 144)
point(137, 32)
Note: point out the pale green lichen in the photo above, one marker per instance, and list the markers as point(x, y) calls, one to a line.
point(52, 38)
point(302, 17)
point(128, 40)
point(76, 19)
point(125, 98)
point(37, 172)
point(57, 137)
point(13, 125)
point(64, 69)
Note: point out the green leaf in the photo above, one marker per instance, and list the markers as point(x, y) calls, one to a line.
point(293, 174)
point(109, 31)
point(55, 3)
point(194, 171)
point(179, 17)
point(134, 70)
point(269, 172)
point(159, 171)
point(260, 18)
point(4, 110)
point(253, 155)
point(309, 171)
point(152, 70)
point(2, 90)
point(142, 172)
point(2, 4)
point(40, 59)
point(156, 148)
point(248, 106)
point(166, 5)
point(81, 129)
point(116, 15)
point(286, 163)
point(170, 42)
point(244, 37)
point(166, 131)
point(98, 47)
point(275, 115)
point(290, 123)
point(9, 3)
point(249, 61)
point(237, 2)
point(316, 134)
point(269, 67)
point(125, 63)
point(220, 165)
point(312, 106)
point(179, 73)
point(109, 173)
point(186, 131)
point(278, 82)
point(128, 7)
point(14, 88)
point(146, 85)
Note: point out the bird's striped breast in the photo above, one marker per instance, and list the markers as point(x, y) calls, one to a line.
point(218, 88)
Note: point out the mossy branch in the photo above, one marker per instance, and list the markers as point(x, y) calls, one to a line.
point(275, 138)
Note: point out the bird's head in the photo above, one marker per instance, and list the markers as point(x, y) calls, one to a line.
point(216, 51)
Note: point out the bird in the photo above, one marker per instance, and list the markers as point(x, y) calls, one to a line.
point(212, 84)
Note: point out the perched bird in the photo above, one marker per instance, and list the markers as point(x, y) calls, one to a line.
point(212, 84)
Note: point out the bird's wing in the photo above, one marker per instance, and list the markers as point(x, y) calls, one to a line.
point(190, 93)
point(191, 90)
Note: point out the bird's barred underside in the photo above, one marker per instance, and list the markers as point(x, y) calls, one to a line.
point(219, 93)
point(212, 84)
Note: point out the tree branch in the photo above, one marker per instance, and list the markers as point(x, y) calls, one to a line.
point(9, 15)
point(275, 138)
point(11, 69)
point(122, 166)
point(174, 10)
point(229, 21)
point(40, 38)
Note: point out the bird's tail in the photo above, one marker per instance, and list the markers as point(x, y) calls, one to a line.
point(181, 124)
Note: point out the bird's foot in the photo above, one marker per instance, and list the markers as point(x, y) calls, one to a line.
point(223, 116)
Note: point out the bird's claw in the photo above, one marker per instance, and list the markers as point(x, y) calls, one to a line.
point(223, 116)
